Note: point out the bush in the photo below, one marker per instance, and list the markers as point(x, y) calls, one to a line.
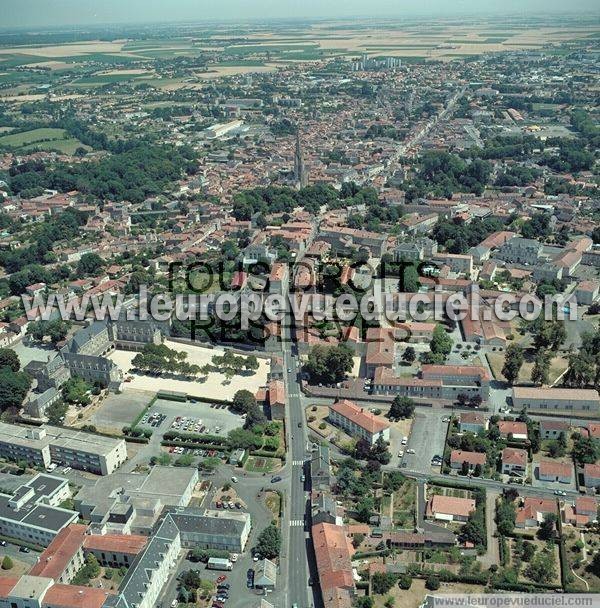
point(7, 563)
point(405, 581)
point(323, 426)
point(432, 583)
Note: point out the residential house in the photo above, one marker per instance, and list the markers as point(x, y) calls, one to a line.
point(512, 430)
point(551, 470)
point(552, 429)
point(514, 462)
point(532, 511)
point(459, 457)
point(449, 508)
point(472, 422)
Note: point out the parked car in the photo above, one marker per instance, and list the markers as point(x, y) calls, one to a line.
point(275, 479)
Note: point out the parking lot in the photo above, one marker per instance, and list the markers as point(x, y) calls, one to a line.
point(427, 439)
point(200, 417)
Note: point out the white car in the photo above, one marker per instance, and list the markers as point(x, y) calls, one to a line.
point(234, 479)
point(404, 440)
point(410, 451)
point(233, 557)
point(400, 453)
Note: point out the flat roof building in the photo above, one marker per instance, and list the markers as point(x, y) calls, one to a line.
point(78, 449)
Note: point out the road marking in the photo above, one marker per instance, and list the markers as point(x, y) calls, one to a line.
point(298, 463)
point(296, 523)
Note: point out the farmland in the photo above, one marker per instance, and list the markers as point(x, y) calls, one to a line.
point(44, 138)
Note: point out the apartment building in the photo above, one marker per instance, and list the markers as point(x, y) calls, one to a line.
point(63, 557)
point(151, 571)
point(114, 550)
point(520, 250)
point(211, 529)
point(565, 399)
point(46, 444)
point(29, 591)
point(32, 513)
point(358, 422)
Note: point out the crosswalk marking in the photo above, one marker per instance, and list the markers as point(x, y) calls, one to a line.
point(296, 523)
point(298, 463)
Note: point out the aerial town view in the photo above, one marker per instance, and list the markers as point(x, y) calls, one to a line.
point(299, 303)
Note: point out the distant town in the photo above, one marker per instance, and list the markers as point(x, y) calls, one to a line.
point(270, 447)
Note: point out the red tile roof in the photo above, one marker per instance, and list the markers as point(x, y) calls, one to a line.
point(508, 427)
point(514, 456)
point(56, 557)
point(473, 458)
point(450, 505)
point(361, 417)
point(130, 544)
point(6, 585)
point(553, 468)
point(333, 553)
point(73, 596)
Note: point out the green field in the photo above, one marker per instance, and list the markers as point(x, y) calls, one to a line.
point(45, 138)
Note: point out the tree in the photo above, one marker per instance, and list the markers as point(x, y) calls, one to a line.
point(505, 516)
point(56, 412)
point(513, 361)
point(586, 450)
point(10, 359)
point(243, 400)
point(409, 355)
point(75, 391)
point(243, 439)
point(254, 417)
point(393, 480)
point(528, 551)
point(546, 530)
point(441, 342)
point(329, 364)
point(382, 582)
point(7, 563)
point(364, 509)
point(402, 407)
point(478, 470)
point(595, 565)
point(269, 542)
point(541, 569)
point(89, 264)
point(541, 367)
point(13, 388)
point(433, 582)
point(404, 581)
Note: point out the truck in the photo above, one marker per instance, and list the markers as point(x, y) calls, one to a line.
point(219, 563)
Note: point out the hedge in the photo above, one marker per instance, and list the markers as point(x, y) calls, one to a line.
point(136, 439)
point(503, 550)
point(196, 437)
point(365, 554)
point(525, 587)
point(194, 446)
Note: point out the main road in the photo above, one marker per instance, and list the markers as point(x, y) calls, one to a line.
point(296, 514)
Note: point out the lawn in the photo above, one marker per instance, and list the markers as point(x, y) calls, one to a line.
point(30, 137)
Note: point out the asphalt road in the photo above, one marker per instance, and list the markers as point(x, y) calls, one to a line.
point(296, 516)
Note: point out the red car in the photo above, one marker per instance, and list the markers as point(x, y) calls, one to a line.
point(221, 578)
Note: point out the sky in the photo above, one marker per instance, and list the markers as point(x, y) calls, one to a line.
point(41, 13)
